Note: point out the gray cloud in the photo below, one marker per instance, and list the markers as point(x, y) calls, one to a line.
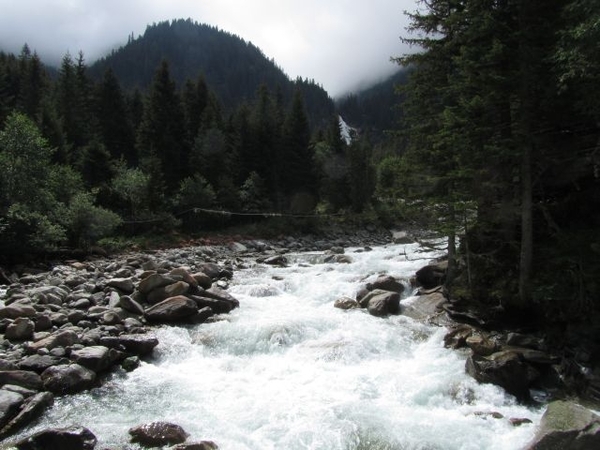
point(341, 44)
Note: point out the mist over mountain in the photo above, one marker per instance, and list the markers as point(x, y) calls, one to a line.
point(232, 67)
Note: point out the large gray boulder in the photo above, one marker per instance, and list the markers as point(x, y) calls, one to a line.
point(174, 309)
point(567, 425)
point(10, 404)
point(64, 338)
point(23, 378)
point(380, 303)
point(387, 283)
point(21, 329)
point(96, 358)
point(432, 275)
point(32, 408)
point(68, 379)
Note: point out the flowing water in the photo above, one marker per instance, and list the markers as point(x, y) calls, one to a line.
point(287, 370)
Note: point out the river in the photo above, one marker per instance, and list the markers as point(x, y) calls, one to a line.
point(289, 371)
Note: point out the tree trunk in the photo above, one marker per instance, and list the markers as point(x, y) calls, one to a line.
point(526, 256)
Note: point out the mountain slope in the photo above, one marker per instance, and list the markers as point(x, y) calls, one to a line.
point(232, 67)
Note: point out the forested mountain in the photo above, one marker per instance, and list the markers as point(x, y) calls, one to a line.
point(231, 66)
point(374, 109)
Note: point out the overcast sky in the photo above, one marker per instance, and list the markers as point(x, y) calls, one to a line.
point(339, 43)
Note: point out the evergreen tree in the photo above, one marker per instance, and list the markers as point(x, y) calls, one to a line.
point(161, 138)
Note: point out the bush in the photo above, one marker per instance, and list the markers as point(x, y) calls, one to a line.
point(87, 223)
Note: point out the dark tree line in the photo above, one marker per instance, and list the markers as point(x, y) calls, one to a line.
point(113, 160)
point(501, 120)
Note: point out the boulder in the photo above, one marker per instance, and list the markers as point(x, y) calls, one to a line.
point(381, 303)
point(276, 260)
point(39, 363)
point(154, 281)
point(31, 409)
point(63, 338)
point(24, 378)
point(130, 305)
point(137, 344)
point(68, 379)
point(21, 329)
point(339, 259)
point(481, 345)
point(10, 404)
point(124, 285)
point(72, 438)
point(386, 283)
point(185, 276)
point(432, 275)
point(505, 369)
point(202, 280)
point(171, 290)
point(173, 309)
point(212, 270)
point(16, 310)
point(567, 425)
point(157, 434)
point(96, 358)
point(424, 307)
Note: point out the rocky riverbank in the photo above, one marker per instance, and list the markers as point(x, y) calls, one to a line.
point(65, 327)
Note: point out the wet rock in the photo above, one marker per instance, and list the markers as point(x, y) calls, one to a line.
point(130, 305)
point(525, 340)
point(137, 344)
point(339, 259)
point(425, 307)
point(505, 369)
point(387, 283)
point(346, 303)
point(64, 338)
point(39, 363)
point(21, 329)
point(481, 345)
point(16, 310)
point(154, 281)
point(173, 309)
point(10, 404)
point(96, 358)
point(518, 421)
point(567, 425)
point(73, 438)
point(381, 303)
point(124, 285)
point(212, 270)
point(157, 434)
point(432, 275)
point(24, 378)
point(185, 276)
point(202, 280)
point(32, 408)
point(131, 363)
point(68, 379)
point(163, 293)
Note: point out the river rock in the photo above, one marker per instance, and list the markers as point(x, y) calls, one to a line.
point(381, 303)
point(426, 308)
point(172, 290)
point(339, 259)
point(202, 280)
point(212, 270)
point(96, 358)
point(68, 379)
point(154, 281)
point(432, 275)
point(39, 363)
point(567, 425)
point(505, 369)
point(72, 438)
point(158, 434)
point(10, 404)
point(173, 309)
point(346, 303)
point(124, 285)
point(64, 338)
point(387, 283)
point(16, 310)
point(21, 329)
point(24, 378)
point(30, 409)
point(137, 344)
point(185, 276)
point(130, 305)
